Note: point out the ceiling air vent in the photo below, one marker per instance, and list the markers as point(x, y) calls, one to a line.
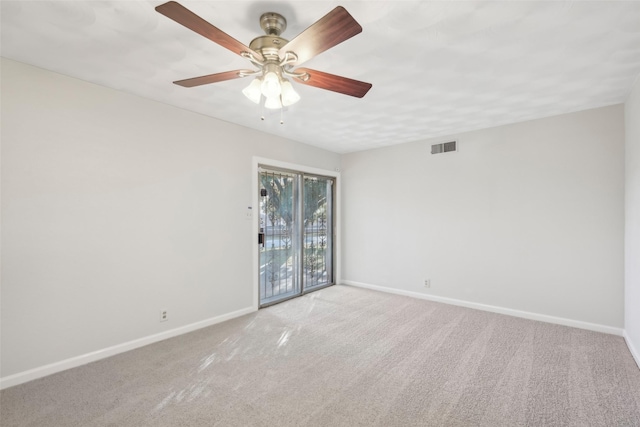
point(445, 147)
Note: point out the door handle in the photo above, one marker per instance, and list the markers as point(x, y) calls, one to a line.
point(261, 239)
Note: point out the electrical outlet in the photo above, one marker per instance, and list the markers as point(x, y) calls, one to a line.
point(427, 283)
point(164, 315)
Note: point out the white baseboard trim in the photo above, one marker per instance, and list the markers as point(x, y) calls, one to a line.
point(494, 309)
point(632, 349)
point(63, 365)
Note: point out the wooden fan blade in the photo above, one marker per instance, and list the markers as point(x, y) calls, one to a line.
point(184, 16)
point(212, 78)
point(330, 30)
point(334, 83)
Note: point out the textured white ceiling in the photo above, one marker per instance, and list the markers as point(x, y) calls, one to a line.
point(437, 67)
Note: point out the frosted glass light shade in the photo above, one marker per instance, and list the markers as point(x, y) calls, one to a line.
point(270, 85)
point(273, 103)
point(289, 95)
point(253, 91)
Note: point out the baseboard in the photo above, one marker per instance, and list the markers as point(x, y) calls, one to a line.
point(43, 371)
point(632, 349)
point(494, 309)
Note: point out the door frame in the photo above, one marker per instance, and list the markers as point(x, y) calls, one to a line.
point(256, 162)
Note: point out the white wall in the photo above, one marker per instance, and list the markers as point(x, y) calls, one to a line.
point(114, 207)
point(632, 221)
point(527, 217)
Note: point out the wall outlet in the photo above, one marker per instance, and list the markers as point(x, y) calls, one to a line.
point(164, 315)
point(427, 283)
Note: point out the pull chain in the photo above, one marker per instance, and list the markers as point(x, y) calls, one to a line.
point(262, 111)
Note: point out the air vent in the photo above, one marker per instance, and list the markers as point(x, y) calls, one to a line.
point(445, 147)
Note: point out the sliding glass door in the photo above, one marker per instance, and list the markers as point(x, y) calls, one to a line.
point(296, 234)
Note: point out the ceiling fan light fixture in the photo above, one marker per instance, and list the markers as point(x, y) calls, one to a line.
point(289, 95)
point(254, 91)
point(271, 85)
point(273, 103)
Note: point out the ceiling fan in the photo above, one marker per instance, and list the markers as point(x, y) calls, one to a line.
point(276, 57)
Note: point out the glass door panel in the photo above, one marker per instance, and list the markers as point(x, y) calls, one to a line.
point(318, 238)
point(279, 240)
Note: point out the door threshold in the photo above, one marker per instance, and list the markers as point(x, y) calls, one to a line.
point(316, 288)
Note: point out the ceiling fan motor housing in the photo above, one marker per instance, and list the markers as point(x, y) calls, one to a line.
point(273, 25)
point(268, 46)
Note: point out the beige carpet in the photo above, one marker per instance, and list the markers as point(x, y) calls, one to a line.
point(344, 356)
